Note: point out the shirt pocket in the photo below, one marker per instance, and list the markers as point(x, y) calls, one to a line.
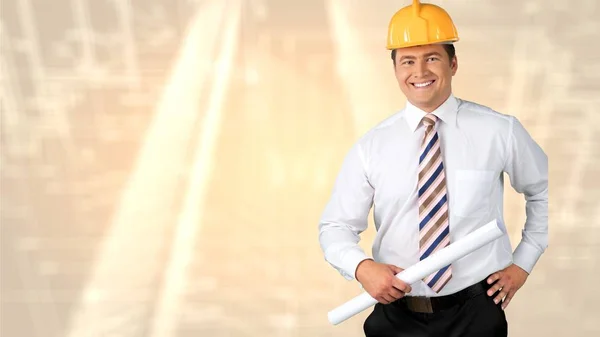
point(472, 195)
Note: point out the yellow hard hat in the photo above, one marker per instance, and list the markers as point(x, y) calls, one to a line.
point(420, 24)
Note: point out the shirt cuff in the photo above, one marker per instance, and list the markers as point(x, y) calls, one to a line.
point(351, 261)
point(526, 256)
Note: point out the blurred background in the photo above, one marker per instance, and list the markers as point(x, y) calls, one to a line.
point(164, 163)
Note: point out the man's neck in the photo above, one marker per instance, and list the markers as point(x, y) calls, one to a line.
point(432, 108)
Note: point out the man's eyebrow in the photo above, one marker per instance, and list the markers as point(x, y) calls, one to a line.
point(432, 53)
point(412, 57)
point(409, 57)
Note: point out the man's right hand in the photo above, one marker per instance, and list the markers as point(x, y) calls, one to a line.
point(380, 281)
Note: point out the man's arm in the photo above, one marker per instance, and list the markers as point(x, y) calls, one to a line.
point(342, 222)
point(346, 215)
point(527, 167)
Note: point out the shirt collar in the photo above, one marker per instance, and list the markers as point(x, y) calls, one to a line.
point(445, 112)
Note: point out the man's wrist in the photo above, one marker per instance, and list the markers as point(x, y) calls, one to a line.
point(361, 263)
point(526, 256)
point(521, 269)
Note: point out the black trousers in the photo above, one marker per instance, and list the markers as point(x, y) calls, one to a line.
point(474, 317)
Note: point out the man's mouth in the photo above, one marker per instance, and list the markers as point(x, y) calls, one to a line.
point(423, 84)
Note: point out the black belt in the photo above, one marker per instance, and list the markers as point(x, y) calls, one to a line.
point(435, 304)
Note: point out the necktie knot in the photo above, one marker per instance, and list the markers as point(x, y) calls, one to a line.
point(429, 119)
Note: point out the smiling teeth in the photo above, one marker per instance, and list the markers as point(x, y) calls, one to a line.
point(421, 85)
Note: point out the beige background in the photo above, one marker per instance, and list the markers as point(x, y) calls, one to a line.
point(164, 163)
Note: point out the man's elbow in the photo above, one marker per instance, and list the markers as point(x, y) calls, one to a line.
point(538, 238)
point(338, 227)
point(538, 193)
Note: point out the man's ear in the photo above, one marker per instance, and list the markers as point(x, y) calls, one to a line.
point(454, 65)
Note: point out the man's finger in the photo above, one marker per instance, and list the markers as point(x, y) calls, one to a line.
point(507, 300)
point(388, 298)
point(401, 285)
point(382, 300)
point(396, 294)
point(494, 289)
point(395, 269)
point(494, 277)
point(500, 296)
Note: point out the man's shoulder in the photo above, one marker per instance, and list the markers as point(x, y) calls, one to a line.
point(468, 108)
point(382, 127)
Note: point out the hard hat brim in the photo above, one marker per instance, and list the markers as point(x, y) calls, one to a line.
point(420, 43)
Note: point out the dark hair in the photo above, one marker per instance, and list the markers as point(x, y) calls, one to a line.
point(449, 48)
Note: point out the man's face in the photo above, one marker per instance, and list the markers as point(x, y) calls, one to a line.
point(424, 74)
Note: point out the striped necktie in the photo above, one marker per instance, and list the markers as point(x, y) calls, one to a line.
point(434, 230)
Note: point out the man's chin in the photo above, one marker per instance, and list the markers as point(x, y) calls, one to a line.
point(427, 104)
point(420, 100)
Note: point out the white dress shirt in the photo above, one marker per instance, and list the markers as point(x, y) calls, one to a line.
point(478, 144)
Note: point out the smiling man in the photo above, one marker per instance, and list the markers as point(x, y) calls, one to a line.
point(424, 73)
point(434, 172)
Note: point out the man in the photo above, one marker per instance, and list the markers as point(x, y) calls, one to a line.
point(434, 173)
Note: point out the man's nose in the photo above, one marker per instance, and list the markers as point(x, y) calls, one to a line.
point(421, 69)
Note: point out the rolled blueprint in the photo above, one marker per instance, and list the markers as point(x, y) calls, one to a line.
point(421, 269)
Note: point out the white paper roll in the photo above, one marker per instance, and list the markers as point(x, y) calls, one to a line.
point(421, 269)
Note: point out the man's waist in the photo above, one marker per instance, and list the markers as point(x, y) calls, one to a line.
point(438, 303)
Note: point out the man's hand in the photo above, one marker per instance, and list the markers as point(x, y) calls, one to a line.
point(380, 281)
point(509, 280)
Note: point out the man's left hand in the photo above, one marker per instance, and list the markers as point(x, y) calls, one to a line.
point(508, 281)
